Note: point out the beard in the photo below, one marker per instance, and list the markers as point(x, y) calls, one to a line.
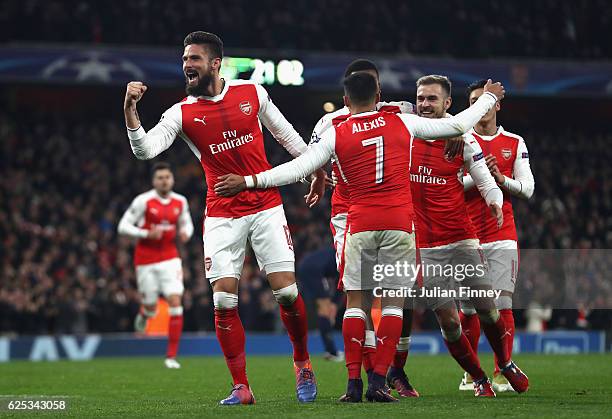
point(200, 89)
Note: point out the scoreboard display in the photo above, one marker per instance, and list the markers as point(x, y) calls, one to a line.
point(264, 71)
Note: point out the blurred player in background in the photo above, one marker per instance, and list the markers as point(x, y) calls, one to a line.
point(318, 279)
point(372, 151)
point(220, 121)
point(156, 218)
point(339, 213)
point(508, 160)
point(446, 237)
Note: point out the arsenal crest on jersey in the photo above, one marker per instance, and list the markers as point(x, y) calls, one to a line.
point(246, 107)
point(207, 263)
point(507, 153)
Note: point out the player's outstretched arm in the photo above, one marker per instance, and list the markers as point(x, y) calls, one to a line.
point(147, 145)
point(315, 157)
point(459, 124)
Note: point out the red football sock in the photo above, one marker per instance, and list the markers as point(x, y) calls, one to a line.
point(387, 336)
point(231, 338)
point(496, 335)
point(401, 353)
point(470, 324)
point(175, 328)
point(465, 356)
point(508, 317)
point(296, 323)
point(353, 332)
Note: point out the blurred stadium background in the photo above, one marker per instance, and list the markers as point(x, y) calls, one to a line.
point(67, 172)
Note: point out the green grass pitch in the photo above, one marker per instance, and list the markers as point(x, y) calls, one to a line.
point(561, 386)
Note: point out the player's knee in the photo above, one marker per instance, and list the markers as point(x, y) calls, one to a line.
point(504, 302)
point(149, 310)
point(394, 311)
point(355, 313)
point(225, 300)
point(174, 300)
point(287, 295)
point(451, 328)
point(488, 316)
point(175, 311)
point(468, 308)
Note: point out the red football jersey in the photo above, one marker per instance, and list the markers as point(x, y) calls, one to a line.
point(340, 195)
point(437, 194)
point(226, 136)
point(505, 147)
point(373, 151)
point(164, 214)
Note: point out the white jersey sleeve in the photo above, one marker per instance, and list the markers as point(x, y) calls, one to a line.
point(453, 126)
point(133, 218)
point(315, 156)
point(474, 161)
point(185, 222)
point(147, 145)
point(523, 184)
point(277, 124)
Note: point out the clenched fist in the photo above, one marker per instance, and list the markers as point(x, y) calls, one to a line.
point(134, 92)
point(496, 88)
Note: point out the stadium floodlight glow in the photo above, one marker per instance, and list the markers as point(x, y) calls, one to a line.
point(267, 72)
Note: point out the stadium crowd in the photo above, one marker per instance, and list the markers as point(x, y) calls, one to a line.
point(65, 270)
point(489, 28)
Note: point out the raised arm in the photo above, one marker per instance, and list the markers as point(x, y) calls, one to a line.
point(277, 124)
point(147, 145)
point(459, 124)
point(480, 175)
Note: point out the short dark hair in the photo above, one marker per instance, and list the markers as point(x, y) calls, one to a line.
point(478, 84)
point(160, 165)
point(443, 81)
point(212, 42)
point(360, 64)
point(361, 88)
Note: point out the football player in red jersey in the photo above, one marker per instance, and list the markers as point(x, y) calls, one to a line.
point(372, 151)
point(156, 218)
point(339, 214)
point(508, 159)
point(446, 237)
point(221, 122)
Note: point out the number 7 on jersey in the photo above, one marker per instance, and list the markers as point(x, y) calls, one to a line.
point(380, 155)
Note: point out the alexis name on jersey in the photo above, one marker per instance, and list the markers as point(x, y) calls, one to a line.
point(368, 126)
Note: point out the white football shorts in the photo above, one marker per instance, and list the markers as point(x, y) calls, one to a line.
point(225, 242)
point(165, 278)
point(503, 258)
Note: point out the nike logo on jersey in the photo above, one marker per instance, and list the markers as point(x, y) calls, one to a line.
point(200, 120)
point(228, 328)
point(381, 340)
